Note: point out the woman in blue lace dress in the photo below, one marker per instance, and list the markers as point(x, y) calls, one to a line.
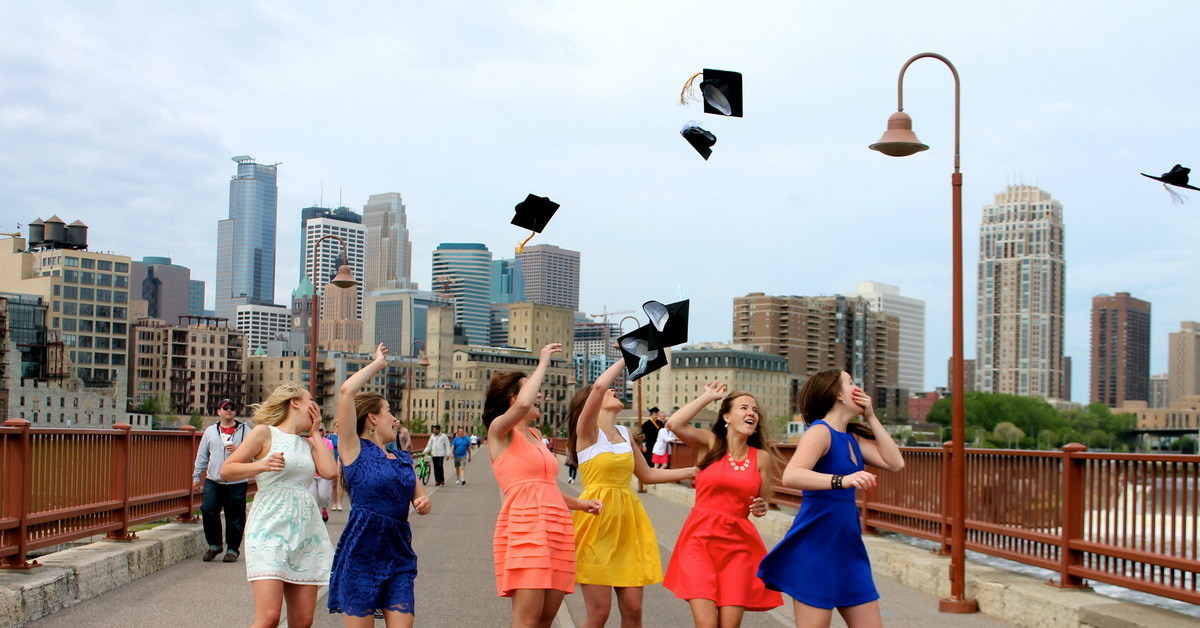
point(287, 548)
point(375, 566)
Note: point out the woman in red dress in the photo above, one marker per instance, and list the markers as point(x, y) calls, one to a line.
point(715, 563)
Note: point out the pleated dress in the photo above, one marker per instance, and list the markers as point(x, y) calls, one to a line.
point(617, 547)
point(822, 561)
point(285, 537)
point(375, 566)
point(718, 549)
point(534, 543)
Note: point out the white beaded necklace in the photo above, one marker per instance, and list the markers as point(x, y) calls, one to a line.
point(745, 463)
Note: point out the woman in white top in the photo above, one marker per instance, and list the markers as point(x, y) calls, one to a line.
point(660, 455)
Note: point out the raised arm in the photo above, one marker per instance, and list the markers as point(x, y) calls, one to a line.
point(883, 451)
point(681, 421)
point(649, 475)
point(346, 421)
point(322, 455)
point(585, 429)
point(525, 398)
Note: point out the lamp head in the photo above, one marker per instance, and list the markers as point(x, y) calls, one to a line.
point(899, 140)
point(424, 361)
point(343, 278)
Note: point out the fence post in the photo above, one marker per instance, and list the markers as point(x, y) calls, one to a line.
point(18, 477)
point(1072, 518)
point(944, 499)
point(193, 504)
point(122, 473)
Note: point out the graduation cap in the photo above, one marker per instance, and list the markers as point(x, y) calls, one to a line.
point(533, 213)
point(668, 323)
point(720, 89)
point(640, 359)
point(700, 139)
point(1177, 176)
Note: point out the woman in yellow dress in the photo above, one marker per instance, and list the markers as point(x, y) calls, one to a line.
point(617, 549)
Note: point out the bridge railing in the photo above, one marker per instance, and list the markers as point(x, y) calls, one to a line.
point(1132, 520)
point(63, 485)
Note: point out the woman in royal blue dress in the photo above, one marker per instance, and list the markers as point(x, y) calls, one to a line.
point(822, 562)
point(374, 567)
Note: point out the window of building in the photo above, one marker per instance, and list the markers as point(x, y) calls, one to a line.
point(104, 295)
point(70, 292)
point(87, 278)
point(87, 309)
point(87, 294)
point(70, 261)
point(87, 262)
point(69, 324)
point(104, 264)
point(121, 281)
point(103, 279)
point(121, 267)
point(71, 276)
point(85, 325)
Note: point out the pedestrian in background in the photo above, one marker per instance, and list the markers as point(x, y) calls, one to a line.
point(822, 562)
point(462, 455)
point(219, 440)
point(663, 445)
point(438, 448)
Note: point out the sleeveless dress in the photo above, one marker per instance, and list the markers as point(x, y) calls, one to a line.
point(718, 549)
point(375, 566)
point(534, 544)
point(616, 547)
point(285, 537)
point(822, 560)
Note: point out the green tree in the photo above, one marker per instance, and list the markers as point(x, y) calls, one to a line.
point(195, 420)
point(1007, 434)
point(159, 408)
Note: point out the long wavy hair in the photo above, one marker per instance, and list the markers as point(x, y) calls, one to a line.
point(366, 403)
point(274, 411)
point(759, 439)
point(576, 409)
point(818, 396)
point(503, 387)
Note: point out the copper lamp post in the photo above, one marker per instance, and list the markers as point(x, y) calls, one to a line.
point(343, 279)
point(900, 141)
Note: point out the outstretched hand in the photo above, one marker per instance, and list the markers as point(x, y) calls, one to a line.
point(549, 350)
point(590, 506)
point(381, 352)
point(715, 391)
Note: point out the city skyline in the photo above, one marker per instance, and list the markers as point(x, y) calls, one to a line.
point(537, 99)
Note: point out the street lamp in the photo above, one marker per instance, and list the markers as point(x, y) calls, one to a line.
point(409, 374)
point(621, 328)
point(342, 279)
point(900, 141)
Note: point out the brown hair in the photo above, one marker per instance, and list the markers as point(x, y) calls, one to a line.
point(720, 429)
point(819, 394)
point(503, 387)
point(366, 403)
point(576, 409)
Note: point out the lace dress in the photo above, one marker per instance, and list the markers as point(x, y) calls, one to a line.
point(285, 537)
point(375, 565)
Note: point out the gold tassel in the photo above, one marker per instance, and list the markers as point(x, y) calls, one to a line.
point(688, 92)
point(521, 246)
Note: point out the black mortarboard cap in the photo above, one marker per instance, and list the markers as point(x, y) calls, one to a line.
point(534, 213)
point(700, 139)
point(722, 92)
point(640, 359)
point(1178, 176)
point(668, 323)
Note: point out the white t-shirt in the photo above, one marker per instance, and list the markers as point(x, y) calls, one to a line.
point(662, 445)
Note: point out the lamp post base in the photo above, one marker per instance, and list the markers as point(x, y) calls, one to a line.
point(958, 606)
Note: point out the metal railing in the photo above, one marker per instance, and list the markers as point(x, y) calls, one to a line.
point(63, 485)
point(1131, 520)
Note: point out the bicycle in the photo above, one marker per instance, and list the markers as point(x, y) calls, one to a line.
point(421, 466)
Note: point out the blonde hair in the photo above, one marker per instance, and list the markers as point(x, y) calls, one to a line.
point(274, 410)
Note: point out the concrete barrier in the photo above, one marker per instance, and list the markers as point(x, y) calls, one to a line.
point(81, 573)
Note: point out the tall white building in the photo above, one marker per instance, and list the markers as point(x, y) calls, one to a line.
point(262, 324)
point(551, 275)
point(885, 298)
point(1019, 306)
point(389, 250)
point(330, 255)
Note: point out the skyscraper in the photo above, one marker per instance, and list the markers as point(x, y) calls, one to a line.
point(1019, 307)
point(462, 271)
point(1120, 349)
point(508, 282)
point(344, 214)
point(246, 239)
point(1183, 362)
point(551, 275)
point(165, 287)
point(330, 255)
point(389, 250)
point(886, 299)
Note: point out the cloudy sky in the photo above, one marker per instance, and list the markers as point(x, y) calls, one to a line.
point(125, 115)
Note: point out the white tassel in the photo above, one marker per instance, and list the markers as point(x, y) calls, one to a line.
point(1176, 197)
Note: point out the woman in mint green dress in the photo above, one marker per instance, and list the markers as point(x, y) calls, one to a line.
point(288, 553)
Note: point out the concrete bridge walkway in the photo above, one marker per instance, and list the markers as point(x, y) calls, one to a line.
point(455, 586)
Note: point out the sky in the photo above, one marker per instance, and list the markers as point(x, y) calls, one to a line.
point(125, 115)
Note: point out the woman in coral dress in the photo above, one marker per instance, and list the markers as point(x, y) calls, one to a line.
point(718, 550)
point(616, 549)
point(534, 543)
